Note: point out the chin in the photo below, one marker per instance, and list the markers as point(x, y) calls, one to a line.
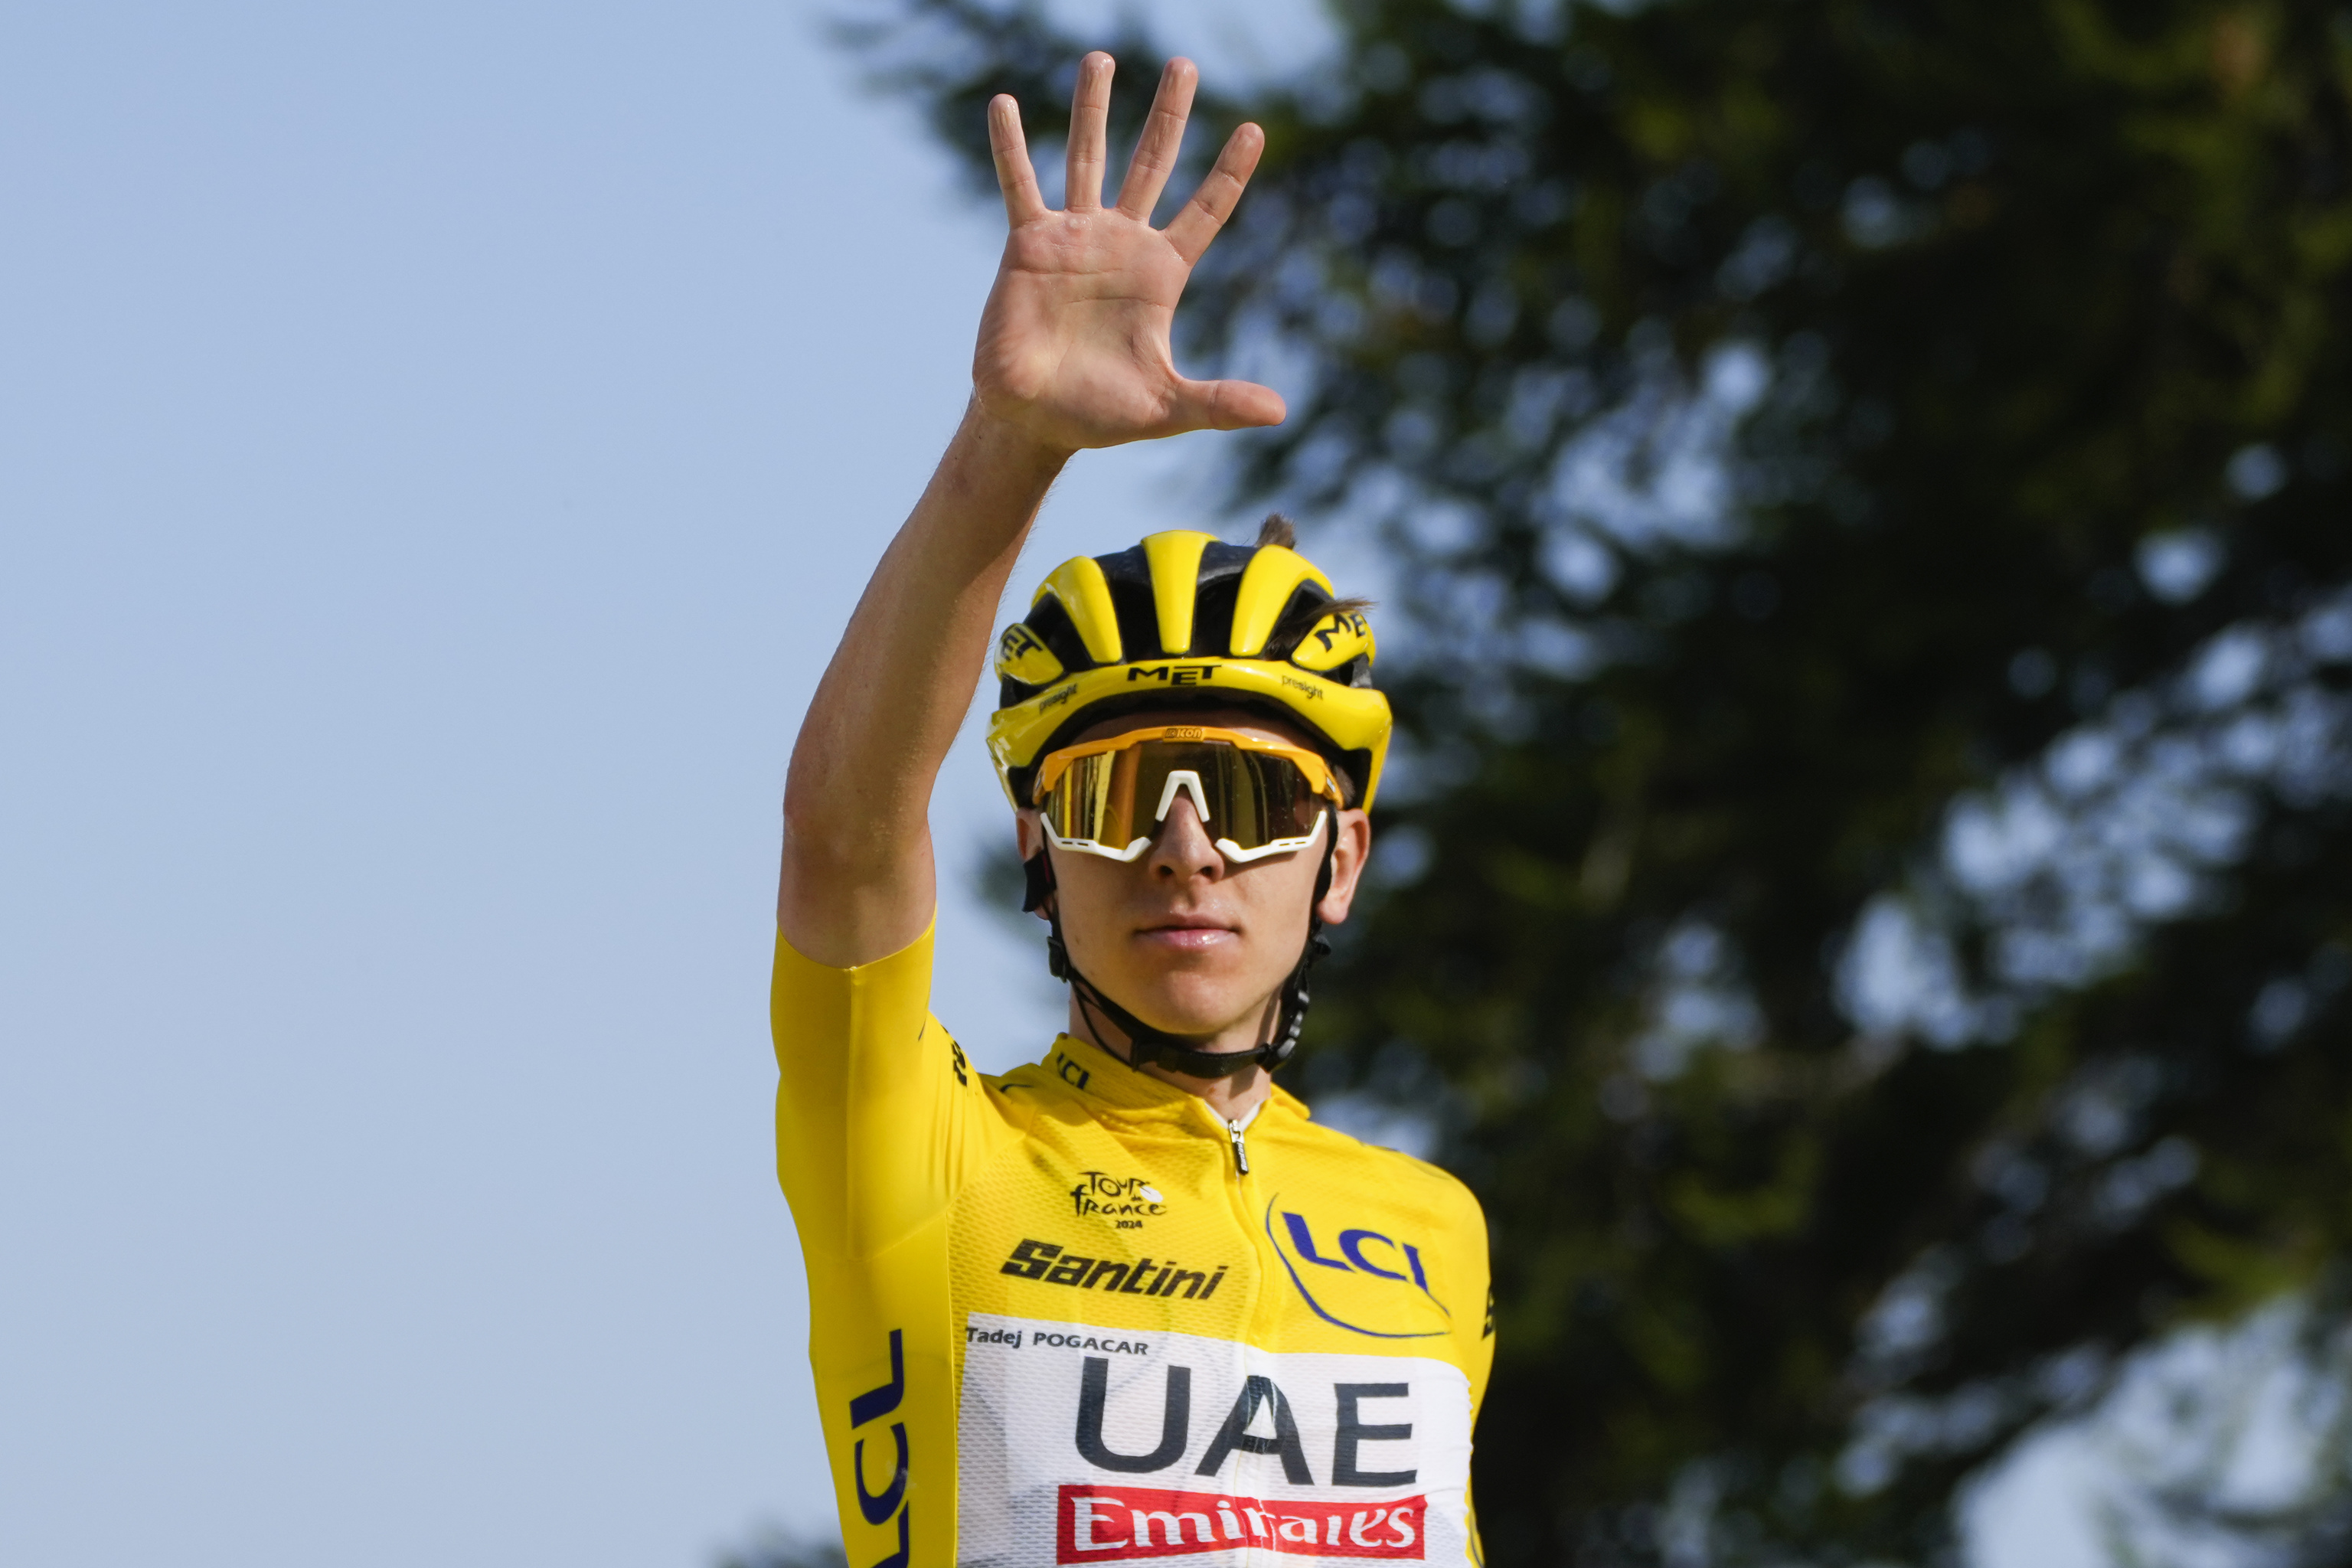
point(1183, 1009)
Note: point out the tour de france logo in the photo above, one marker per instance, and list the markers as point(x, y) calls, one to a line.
point(1125, 1201)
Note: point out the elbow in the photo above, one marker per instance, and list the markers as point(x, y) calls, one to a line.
point(819, 826)
point(835, 849)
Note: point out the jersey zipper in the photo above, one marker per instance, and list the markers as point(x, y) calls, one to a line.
point(1263, 1315)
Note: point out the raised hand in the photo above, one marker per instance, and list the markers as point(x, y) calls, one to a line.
point(1074, 346)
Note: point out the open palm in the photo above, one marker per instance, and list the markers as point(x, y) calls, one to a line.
point(1073, 344)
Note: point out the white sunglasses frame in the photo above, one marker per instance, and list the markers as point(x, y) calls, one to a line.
point(1188, 778)
point(1225, 847)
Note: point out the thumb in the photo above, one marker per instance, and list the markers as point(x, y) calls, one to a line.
point(1226, 405)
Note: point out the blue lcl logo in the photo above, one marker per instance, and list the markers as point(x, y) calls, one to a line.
point(1367, 1266)
point(1351, 1251)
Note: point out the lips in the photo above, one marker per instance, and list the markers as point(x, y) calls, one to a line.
point(1186, 936)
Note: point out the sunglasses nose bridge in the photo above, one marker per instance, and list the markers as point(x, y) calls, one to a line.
point(1184, 779)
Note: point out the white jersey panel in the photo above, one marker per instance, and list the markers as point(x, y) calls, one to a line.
point(1081, 1444)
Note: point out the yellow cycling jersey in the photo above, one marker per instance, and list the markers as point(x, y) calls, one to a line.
point(1067, 1315)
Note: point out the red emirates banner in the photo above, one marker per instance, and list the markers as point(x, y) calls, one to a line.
point(1110, 1525)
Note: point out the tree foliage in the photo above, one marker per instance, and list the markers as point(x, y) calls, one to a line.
point(1869, 882)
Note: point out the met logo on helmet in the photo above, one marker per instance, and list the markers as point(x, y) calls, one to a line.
point(1021, 655)
point(1328, 630)
point(1171, 674)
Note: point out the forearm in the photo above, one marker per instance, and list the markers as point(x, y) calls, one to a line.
point(858, 881)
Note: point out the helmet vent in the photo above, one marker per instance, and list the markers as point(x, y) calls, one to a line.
point(1138, 617)
point(1051, 621)
point(1213, 614)
point(1307, 605)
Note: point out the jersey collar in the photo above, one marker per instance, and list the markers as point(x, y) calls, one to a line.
point(1106, 1079)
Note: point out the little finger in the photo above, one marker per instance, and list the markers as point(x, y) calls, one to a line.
point(1015, 175)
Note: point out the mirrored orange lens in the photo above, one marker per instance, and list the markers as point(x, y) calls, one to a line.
point(1113, 799)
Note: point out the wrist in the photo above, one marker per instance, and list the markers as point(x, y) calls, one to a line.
point(1003, 437)
point(987, 488)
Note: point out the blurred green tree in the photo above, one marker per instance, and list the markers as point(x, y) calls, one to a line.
point(1868, 888)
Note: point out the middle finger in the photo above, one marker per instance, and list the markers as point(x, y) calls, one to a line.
point(1089, 132)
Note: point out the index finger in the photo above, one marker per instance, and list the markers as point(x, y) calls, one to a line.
point(1014, 173)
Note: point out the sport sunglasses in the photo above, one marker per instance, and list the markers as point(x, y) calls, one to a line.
point(1259, 797)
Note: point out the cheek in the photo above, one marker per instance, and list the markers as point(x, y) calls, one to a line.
point(1087, 890)
point(1276, 895)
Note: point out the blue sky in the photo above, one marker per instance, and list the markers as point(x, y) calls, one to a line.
point(440, 445)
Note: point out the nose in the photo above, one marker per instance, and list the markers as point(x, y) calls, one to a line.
point(1183, 849)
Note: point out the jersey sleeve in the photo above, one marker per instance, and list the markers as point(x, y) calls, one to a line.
point(880, 1117)
point(1474, 1330)
point(1466, 1273)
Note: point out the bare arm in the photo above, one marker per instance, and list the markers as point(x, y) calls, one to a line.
point(1073, 352)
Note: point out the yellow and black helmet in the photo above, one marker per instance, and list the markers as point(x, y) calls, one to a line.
point(1184, 619)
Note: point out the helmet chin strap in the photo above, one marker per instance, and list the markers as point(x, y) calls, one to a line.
point(1182, 1053)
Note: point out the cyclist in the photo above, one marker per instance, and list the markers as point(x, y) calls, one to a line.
point(1128, 1300)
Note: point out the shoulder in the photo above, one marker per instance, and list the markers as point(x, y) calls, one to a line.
point(1429, 1187)
point(1021, 1095)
